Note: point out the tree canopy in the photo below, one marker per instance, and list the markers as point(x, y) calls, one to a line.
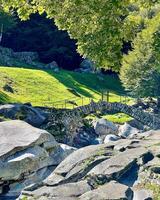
point(99, 26)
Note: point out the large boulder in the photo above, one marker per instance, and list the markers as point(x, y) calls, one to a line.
point(110, 191)
point(77, 164)
point(104, 127)
point(27, 156)
point(70, 191)
point(27, 113)
point(128, 131)
point(107, 171)
point(84, 137)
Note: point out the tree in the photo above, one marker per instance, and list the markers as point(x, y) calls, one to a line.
point(140, 71)
point(99, 26)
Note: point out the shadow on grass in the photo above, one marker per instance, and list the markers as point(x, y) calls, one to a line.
point(83, 82)
point(4, 98)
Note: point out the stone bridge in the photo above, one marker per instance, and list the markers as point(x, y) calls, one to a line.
point(104, 107)
point(65, 122)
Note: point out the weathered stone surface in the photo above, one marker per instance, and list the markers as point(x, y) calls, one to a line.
point(104, 127)
point(123, 144)
point(109, 191)
point(143, 195)
point(111, 138)
point(27, 57)
point(76, 165)
point(117, 165)
point(27, 155)
point(84, 136)
point(17, 135)
point(23, 112)
point(72, 190)
point(127, 131)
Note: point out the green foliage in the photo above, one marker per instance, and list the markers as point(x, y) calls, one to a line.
point(140, 72)
point(99, 26)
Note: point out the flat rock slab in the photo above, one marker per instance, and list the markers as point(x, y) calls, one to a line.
point(66, 191)
point(17, 135)
point(110, 191)
point(118, 164)
point(78, 163)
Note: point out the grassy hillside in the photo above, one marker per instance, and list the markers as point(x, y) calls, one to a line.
point(47, 88)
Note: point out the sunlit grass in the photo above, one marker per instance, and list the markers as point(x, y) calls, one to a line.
point(46, 88)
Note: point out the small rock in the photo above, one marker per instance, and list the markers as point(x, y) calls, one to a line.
point(111, 138)
point(126, 130)
point(104, 127)
point(53, 66)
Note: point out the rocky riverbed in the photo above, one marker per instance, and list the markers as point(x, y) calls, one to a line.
point(33, 165)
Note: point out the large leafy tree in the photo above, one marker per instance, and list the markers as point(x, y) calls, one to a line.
point(140, 71)
point(99, 26)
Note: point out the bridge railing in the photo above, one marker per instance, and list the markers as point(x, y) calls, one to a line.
point(71, 103)
point(81, 101)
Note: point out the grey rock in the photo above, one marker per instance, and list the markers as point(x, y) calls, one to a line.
point(23, 112)
point(109, 191)
point(87, 66)
point(27, 57)
point(143, 195)
point(119, 164)
point(70, 190)
point(123, 144)
point(104, 127)
point(53, 66)
point(17, 135)
point(111, 138)
point(77, 165)
point(61, 152)
point(126, 130)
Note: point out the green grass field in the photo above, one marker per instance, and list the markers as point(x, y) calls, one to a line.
point(45, 87)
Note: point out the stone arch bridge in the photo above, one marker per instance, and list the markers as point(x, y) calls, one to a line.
point(104, 107)
point(65, 122)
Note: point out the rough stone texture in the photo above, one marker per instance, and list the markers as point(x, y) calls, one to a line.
point(127, 131)
point(10, 58)
point(143, 195)
point(23, 112)
point(66, 190)
point(27, 57)
point(111, 138)
point(104, 107)
point(104, 127)
point(109, 191)
point(117, 165)
point(71, 120)
point(87, 66)
point(77, 165)
point(26, 155)
point(84, 137)
point(108, 171)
